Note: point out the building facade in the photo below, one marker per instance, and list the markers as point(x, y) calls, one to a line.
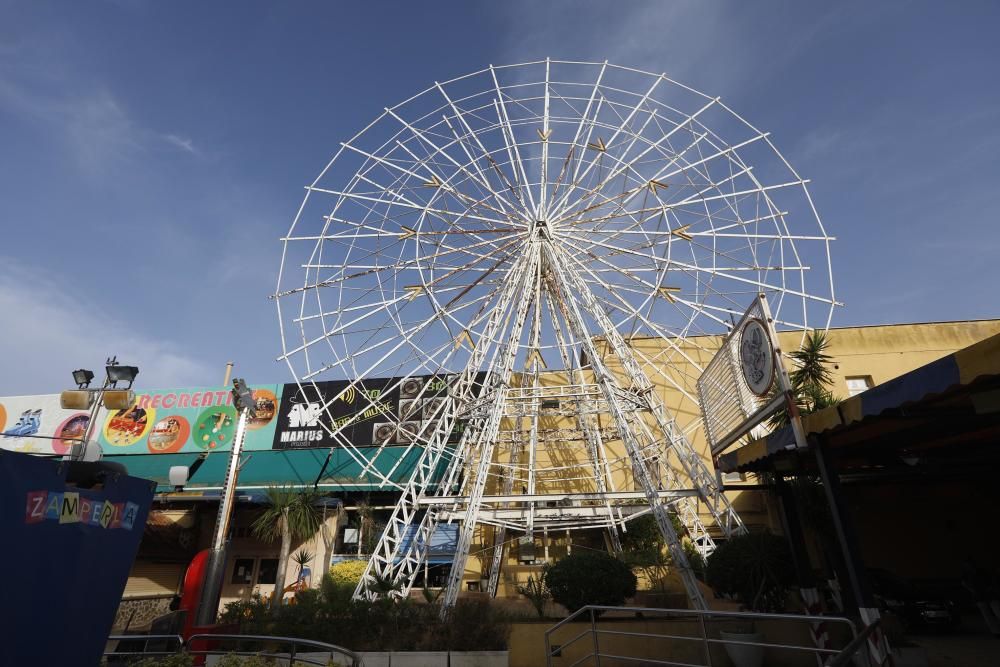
point(286, 446)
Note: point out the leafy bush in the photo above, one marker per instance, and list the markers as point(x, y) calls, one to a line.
point(330, 615)
point(695, 560)
point(589, 577)
point(348, 572)
point(179, 660)
point(537, 594)
point(755, 568)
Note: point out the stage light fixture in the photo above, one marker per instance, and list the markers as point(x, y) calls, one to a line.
point(82, 378)
point(118, 374)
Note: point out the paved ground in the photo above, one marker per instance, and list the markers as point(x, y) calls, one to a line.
point(968, 646)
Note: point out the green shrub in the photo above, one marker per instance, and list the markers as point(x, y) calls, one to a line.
point(537, 594)
point(695, 560)
point(179, 660)
point(755, 568)
point(348, 572)
point(330, 615)
point(589, 577)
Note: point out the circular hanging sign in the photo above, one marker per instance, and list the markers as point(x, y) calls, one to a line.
point(756, 357)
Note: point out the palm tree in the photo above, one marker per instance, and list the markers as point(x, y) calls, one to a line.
point(810, 379)
point(812, 361)
point(302, 558)
point(290, 515)
point(366, 527)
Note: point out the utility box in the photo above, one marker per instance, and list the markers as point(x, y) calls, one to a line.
point(70, 531)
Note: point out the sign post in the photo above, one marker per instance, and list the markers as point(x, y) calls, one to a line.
point(211, 591)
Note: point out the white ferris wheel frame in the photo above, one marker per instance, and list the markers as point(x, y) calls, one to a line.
point(532, 233)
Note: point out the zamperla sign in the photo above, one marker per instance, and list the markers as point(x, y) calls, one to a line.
point(376, 412)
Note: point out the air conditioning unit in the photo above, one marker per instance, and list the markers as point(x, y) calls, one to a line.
point(526, 550)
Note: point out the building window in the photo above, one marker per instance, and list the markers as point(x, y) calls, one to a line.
point(243, 571)
point(858, 384)
point(268, 571)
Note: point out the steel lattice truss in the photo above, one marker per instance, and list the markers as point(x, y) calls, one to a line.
point(555, 237)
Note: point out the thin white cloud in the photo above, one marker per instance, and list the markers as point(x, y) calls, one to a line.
point(96, 127)
point(183, 143)
point(49, 331)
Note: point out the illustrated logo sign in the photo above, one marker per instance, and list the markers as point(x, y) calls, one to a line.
point(376, 412)
point(756, 357)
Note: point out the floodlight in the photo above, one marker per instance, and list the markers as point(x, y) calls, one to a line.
point(76, 399)
point(118, 373)
point(82, 377)
point(242, 396)
point(178, 476)
point(118, 399)
point(89, 451)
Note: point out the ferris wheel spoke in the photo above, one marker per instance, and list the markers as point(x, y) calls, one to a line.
point(564, 215)
point(435, 181)
point(470, 201)
point(460, 116)
point(664, 173)
point(686, 123)
point(664, 334)
point(506, 207)
point(762, 286)
point(621, 128)
point(405, 204)
point(511, 143)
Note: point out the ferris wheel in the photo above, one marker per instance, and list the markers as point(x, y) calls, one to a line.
point(534, 219)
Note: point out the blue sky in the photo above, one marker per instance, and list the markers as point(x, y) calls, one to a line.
point(151, 154)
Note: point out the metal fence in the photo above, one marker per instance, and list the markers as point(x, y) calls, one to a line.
point(596, 643)
point(286, 651)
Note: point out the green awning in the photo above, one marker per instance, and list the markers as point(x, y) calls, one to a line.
point(287, 467)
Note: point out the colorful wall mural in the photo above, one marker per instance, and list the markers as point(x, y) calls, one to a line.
point(160, 421)
point(165, 421)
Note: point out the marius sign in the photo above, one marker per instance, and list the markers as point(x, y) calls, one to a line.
point(382, 411)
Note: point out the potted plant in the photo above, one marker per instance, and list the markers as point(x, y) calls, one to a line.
point(755, 569)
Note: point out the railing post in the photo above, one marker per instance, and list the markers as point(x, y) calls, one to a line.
point(593, 633)
point(704, 637)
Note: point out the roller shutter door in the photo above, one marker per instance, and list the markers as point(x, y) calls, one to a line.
point(149, 578)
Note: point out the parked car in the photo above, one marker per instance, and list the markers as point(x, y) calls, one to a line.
point(918, 605)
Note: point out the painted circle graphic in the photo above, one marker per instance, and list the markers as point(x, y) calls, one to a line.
point(168, 435)
point(756, 357)
point(129, 426)
point(266, 406)
point(70, 432)
point(215, 427)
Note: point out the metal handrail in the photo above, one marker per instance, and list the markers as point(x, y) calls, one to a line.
point(145, 639)
point(295, 647)
point(322, 647)
point(701, 616)
point(847, 653)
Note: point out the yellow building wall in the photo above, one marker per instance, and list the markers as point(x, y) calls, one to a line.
point(878, 352)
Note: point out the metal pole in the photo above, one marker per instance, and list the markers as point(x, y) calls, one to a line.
point(597, 643)
point(211, 591)
point(843, 524)
point(704, 636)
